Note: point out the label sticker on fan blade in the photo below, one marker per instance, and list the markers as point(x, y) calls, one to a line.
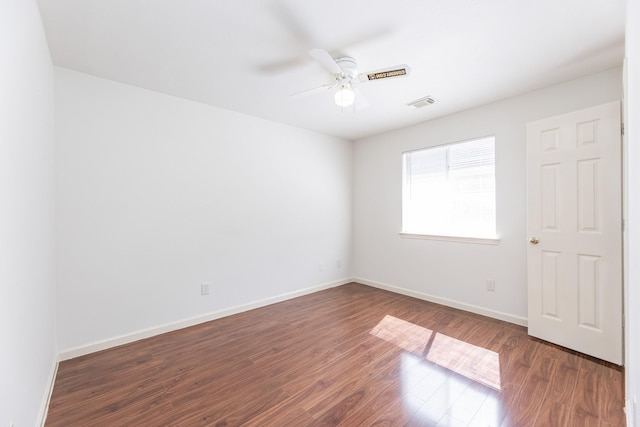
point(386, 74)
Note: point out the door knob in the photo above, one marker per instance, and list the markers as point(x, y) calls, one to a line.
point(534, 240)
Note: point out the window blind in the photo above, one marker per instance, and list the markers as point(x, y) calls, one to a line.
point(449, 190)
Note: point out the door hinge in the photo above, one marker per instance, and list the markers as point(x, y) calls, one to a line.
point(623, 224)
point(622, 129)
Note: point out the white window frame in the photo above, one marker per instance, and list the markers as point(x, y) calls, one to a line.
point(490, 238)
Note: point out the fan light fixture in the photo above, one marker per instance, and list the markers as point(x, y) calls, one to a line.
point(345, 76)
point(344, 96)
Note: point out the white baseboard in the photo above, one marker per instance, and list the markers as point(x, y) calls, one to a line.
point(518, 320)
point(147, 333)
point(44, 409)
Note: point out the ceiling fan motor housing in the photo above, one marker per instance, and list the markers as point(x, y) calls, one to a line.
point(349, 66)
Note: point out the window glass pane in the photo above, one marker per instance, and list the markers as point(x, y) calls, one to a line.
point(450, 190)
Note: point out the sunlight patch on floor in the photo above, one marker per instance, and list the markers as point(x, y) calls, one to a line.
point(476, 363)
point(471, 361)
point(403, 334)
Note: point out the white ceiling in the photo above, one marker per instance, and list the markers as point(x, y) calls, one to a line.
point(251, 55)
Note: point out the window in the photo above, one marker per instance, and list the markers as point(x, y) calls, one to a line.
point(450, 190)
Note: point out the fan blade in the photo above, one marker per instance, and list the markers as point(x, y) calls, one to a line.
point(324, 59)
point(386, 73)
point(313, 91)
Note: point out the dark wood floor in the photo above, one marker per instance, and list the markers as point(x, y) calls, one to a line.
point(349, 356)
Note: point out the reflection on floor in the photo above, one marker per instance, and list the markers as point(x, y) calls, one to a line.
point(473, 362)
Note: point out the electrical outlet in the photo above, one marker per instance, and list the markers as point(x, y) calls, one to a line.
point(320, 267)
point(491, 285)
point(339, 263)
point(204, 289)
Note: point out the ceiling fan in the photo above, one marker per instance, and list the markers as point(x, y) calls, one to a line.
point(346, 77)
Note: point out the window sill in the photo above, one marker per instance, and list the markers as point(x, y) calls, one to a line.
point(457, 239)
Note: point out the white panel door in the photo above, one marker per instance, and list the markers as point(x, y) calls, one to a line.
point(574, 224)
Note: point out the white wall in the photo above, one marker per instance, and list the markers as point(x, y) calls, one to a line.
point(27, 287)
point(156, 195)
point(632, 234)
point(457, 271)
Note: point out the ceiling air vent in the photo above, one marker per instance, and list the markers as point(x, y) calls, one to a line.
point(422, 102)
